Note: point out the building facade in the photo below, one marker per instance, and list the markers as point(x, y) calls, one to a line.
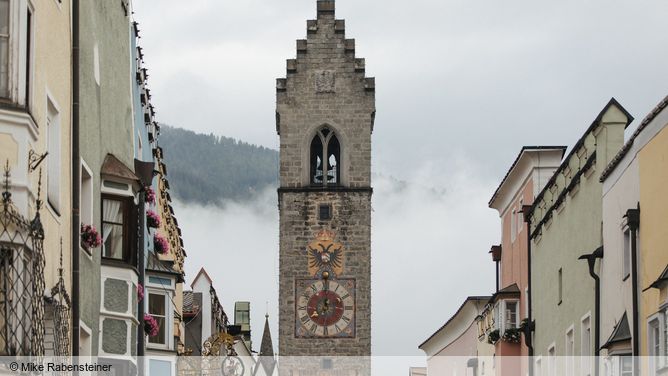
point(35, 154)
point(456, 349)
point(325, 115)
point(653, 238)
point(565, 240)
point(509, 306)
point(635, 266)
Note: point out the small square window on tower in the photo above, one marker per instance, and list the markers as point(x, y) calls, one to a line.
point(325, 212)
point(327, 363)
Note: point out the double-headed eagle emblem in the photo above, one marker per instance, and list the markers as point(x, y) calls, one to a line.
point(324, 254)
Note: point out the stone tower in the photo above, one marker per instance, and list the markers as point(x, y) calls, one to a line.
point(324, 116)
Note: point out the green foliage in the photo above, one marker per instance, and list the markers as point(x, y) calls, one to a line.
point(206, 169)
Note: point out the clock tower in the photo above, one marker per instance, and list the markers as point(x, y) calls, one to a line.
point(325, 109)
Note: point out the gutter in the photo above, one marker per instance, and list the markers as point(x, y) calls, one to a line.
point(141, 269)
point(591, 261)
point(76, 172)
point(633, 221)
point(529, 329)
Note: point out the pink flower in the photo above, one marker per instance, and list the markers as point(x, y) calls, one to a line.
point(90, 238)
point(152, 219)
point(150, 195)
point(151, 327)
point(140, 292)
point(160, 244)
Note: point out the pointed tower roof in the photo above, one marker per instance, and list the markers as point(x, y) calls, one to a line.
point(266, 347)
point(267, 350)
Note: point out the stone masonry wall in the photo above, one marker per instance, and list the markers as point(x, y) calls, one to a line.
point(351, 218)
point(325, 85)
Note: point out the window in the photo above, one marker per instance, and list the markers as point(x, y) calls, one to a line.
point(4, 48)
point(513, 224)
point(570, 352)
point(325, 158)
point(656, 341)
point(626, 267)
point(159, 367)
point(157, 307)
point(552, 361)
point(116, 228)
point(539, 367)
point(53, 159)
point(511, 321)
point(28, 55)
point(520, 216)
point(586, 346)
point(86, 208)
point(561, 285)
point(325, 212)
point(626, 365)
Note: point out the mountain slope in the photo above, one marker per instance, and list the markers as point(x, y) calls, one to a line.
point(206, 169)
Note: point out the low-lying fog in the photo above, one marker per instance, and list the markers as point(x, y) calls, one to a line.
point(431, 234)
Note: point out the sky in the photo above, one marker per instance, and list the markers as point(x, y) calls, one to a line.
point(461, 85)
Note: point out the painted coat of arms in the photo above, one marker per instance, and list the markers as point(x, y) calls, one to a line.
point(325, 254)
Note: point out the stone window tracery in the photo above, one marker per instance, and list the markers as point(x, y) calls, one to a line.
point(325, 160)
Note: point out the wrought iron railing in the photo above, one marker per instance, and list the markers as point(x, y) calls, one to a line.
point(21, 279)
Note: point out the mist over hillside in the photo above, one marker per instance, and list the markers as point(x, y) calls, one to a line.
point(207, 169)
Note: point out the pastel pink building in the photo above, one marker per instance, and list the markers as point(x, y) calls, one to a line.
point(454, 349)
point(507, 312)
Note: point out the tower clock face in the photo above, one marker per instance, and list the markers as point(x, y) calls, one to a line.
point(325, 308)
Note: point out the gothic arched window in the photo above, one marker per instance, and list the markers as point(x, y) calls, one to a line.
point(325, 158)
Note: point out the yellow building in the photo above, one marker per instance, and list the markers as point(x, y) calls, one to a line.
point(35, 144)
point(636, 231)
point(653, 230)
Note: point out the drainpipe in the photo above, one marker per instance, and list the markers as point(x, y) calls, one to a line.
point(496, 257)
point(141, 268)
point(591, 261)
point(76, 315)
point(633, 221)
point(529, 329)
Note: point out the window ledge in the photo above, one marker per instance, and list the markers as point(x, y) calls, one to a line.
point(11, 114)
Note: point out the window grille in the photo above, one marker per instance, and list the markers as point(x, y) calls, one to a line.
point(21, 278)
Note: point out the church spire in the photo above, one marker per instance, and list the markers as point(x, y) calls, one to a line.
point(266, 347)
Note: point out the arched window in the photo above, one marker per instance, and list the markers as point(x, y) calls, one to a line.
point(325, 158)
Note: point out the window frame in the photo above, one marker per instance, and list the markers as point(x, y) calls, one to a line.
point(656, 322)
point(129, 223)
point(20, 61)
point(586, 357)
point(325, 141)
point(626, 252)
point(168, 318)
point(569, 350)
point(54, 166)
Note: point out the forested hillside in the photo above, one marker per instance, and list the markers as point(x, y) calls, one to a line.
point(207, 168)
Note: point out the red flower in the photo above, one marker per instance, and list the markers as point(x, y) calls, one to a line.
point(160, 244)
point(140, 292)
point(150, 195)
point(152, 219)
point(151, 326)
point(90, 238)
